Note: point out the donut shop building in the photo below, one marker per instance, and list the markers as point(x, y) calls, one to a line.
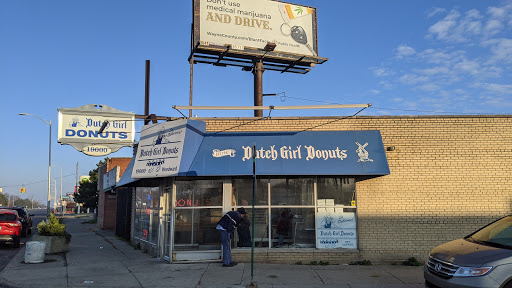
point(377, 188)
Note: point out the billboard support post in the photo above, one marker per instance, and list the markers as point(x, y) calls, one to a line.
point(146, 94)
point(258, 86)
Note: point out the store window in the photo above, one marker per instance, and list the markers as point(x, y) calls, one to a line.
point(293, 227)
point(244, 232)
point(147, 209)
point(197, 209)
point(292, 191)
point(242, 192)
point(336, 213)
point(195, 229)
point(336, 191)
point(294, 218)
point(198, 193)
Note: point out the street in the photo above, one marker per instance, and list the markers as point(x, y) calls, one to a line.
point(7, 252)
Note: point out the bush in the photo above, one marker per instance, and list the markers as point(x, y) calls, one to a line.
point(53, 228)
point(364, 262)
point(412, 262)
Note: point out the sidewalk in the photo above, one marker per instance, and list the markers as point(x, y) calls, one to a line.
point(97, 258)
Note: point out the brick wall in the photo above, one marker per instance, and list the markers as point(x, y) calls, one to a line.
point(449, 176)
point(107, 202)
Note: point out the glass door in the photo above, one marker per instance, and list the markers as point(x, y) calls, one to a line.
point(197, 207)
point(167, 224)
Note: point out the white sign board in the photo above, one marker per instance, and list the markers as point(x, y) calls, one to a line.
point(335, 229)
point(160, 149)
point(79, 128)
point(110, 178)
point(254, 23)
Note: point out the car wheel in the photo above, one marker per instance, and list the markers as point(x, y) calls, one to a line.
point(508, 285)
point(16, 242)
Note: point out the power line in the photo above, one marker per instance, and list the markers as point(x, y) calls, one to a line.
point(393, 109)
point(37, 182)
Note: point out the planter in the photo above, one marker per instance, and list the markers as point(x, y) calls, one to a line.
point(54, 244)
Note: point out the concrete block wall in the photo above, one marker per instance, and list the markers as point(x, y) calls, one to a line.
point(449, 176)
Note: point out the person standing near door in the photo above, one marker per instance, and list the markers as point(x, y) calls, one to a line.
point(226, 226)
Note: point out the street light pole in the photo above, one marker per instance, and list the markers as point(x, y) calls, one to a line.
point(62, 208)
point(55, 194)
point(49, 161)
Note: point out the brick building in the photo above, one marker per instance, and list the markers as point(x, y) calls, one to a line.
point(448, 175)
point(107, 198)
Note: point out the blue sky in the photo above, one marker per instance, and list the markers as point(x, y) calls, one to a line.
point(404, 57)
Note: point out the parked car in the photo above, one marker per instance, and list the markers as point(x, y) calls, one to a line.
point(481, 259)
point(25, 218)
point(10, 227)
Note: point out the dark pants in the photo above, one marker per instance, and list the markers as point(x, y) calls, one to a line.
point(244, 235)
point(225, 238)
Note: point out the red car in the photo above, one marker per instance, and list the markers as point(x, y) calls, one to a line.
point(10, 227)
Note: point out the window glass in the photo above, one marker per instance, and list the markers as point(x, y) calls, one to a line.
point(154, 209)
point(341, 190)
point(147, 207)
point(137, 228)
point(242, 192)
point(198, 193)
point(293, 227)
point(195, 229)
point(292, 191)
point(7, 217)
point(244, 234)
point(499, 232)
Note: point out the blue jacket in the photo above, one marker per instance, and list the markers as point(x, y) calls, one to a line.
point(230, 221)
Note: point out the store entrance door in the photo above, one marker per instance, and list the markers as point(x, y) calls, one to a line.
point(197, 207)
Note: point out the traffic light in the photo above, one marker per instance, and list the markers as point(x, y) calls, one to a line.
point(22, 190)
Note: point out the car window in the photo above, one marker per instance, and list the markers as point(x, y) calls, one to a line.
point(7, 217)
point(499, 232)
point(21, 212)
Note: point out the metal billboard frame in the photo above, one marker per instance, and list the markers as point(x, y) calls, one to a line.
point(231, 55)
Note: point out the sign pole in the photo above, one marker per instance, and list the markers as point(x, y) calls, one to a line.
point(258, 86)
point(253, 200)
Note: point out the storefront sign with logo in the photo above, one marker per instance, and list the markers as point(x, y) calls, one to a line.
point(166, 149)
point(335, 229)
point(291, 153)
point(80, 127)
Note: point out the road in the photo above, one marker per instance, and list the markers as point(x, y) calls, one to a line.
point(6, 250)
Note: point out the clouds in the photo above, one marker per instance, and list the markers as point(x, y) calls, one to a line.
point(456, 27)
point(501, 50)
point(466, 56)
point(403, 51)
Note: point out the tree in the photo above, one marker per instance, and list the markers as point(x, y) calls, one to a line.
point(3, 200)
point(88, 189)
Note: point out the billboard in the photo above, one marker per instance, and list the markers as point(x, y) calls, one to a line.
point(246, 25)
point(79, 127)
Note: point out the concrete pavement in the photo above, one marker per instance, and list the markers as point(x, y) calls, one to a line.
point(97, 258)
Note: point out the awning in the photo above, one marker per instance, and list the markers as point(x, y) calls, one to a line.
point(127, 180)
point(183, 148)
point(291, 153)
